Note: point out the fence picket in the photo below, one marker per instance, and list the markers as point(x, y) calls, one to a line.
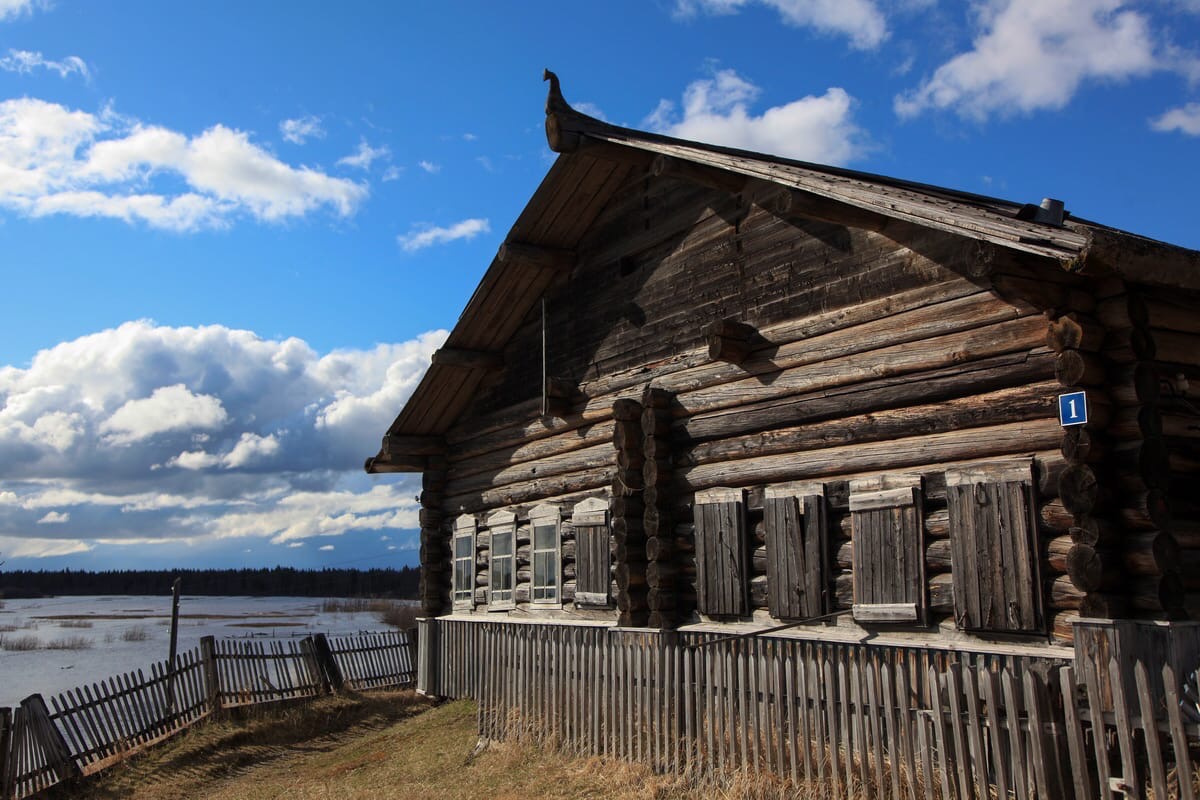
point(1158, 774)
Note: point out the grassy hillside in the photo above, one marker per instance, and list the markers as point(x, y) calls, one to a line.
point(392, 745)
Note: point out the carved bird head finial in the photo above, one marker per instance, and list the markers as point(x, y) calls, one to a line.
point(554, 100)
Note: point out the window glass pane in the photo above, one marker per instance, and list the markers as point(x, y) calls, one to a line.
point(462, 546)
point(502, 543)
point(544, 537)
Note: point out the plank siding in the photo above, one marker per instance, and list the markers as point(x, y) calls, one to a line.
point(797, 536)
point(722, 567)
point(993, 538)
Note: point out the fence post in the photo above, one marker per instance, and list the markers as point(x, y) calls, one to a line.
point(333, 672)
point(6, 729)
point(427, 683)
point(212, 678)
point(313, 662)
point(47, 734)
point(414, 648)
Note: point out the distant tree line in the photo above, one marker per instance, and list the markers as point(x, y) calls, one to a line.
point(276, 582)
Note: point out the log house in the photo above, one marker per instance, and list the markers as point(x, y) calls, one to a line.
point(705, 389)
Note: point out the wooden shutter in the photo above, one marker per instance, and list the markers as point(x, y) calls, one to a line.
point(590, 519)
point(794, 516)
point(993, 547)
point(721, 562)
point(889, 556)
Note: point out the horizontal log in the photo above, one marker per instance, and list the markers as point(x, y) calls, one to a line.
point(1146, 511)
point(1093, 531)
point(1062, 627)
point(1089, 569)
point(800, 204)
point(1163, 593)
point(1075, 368)
point(941, 592)
point(1064, 595)
point(529, 491)
point(1056, 552)
point(1150, 553)
point(467, 359)
point(555, 260)
point(969, 444)
point(1006, 405)
point(1122, 312)
point(1134, 385)
point(1177, 348)
point(938, 556)
point(1081, 445)
point(1129, 345)
point(730, 340)
point(1135, 422)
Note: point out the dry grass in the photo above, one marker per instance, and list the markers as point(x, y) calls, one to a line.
point(383, 746)
point(21, 643)
point(137, 633)
point(75, 623)
point(69, 643)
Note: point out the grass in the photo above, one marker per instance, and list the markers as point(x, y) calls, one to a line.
point(69, 643)
point(392, 746)
point(19, 643)
point(394, 613)
point(75, 623)
point(137, 633)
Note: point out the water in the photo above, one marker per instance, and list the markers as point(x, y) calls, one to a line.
point(124, 633)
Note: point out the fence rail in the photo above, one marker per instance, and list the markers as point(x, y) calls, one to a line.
point(94, 726)
point(858, 718)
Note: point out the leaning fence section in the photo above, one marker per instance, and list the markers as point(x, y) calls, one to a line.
point(85, 729)
point(859, 719)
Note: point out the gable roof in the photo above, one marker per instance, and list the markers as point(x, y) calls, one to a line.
point(597, 158)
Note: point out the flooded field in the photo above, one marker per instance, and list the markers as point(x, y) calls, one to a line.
point(52, 644)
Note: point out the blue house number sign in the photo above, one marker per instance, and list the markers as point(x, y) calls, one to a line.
point(1072, 408)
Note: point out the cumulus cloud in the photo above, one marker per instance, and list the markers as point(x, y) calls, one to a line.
point(716, 110)
point(301, 129)
point(428, 235)
point(429, 167)
point(859, 20)
point(364, 156)
point(169, 408)
point(325, 547)
point(54, 160)
point(189, 434)
point(1185, 119)
point(26, 61)
point(1032, 55)
point(11, 9)
point(37, 547)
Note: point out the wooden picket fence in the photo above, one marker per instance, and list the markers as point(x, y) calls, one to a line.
point(858, 719)
point(89, 728)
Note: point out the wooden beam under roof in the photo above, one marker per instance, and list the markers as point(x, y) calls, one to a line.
point(379, 464)
point(551, 258)
point(397, 445)
point(665, 166)
point(468, 358)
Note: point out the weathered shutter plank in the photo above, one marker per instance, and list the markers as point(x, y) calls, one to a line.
point(592, 579)
point(993, 552)
point(888, 560)
point(721, 546)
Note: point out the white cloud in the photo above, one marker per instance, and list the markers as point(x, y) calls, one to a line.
point(392, 173)
point(295, 544)
point(192, 434)
point(486, 163)
point(301, 129)
point(34, 547)
point(591, 109)
point(10, 9)
point(57, 161)
point(325, 547)
point(1185, 119)
point(427, 236)
point(364, 156)
point(429, 167)
point(1033, 55)
point(169, 408)
point(859, 20)
point(470, 137)
point(26, 61)
point(715, 110)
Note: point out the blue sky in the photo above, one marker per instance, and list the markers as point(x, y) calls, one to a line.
point(232, 233)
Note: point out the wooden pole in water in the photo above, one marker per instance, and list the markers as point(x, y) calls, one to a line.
point(174, 645)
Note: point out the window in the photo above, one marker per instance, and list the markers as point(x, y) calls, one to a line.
point(794, 519)
point(721, 562)
point(592, 562)
point(889, 557)
point(464, 562)
point(992, 545)
point(544, 588)
point(502, 557)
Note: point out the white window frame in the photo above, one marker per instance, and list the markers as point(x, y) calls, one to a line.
point(544, 516)
point(464, 528)
point(501, 524)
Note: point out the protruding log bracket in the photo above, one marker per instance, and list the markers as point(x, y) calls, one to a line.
point(793, 203)
point(404, 445)
point(730, 340)
point(468, 359)
point(376, 465)
point(665, 166)
point(549, 258)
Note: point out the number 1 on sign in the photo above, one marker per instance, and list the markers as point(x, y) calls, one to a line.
point(1072, 408)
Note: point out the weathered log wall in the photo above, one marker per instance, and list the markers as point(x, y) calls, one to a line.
point(856, 356)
